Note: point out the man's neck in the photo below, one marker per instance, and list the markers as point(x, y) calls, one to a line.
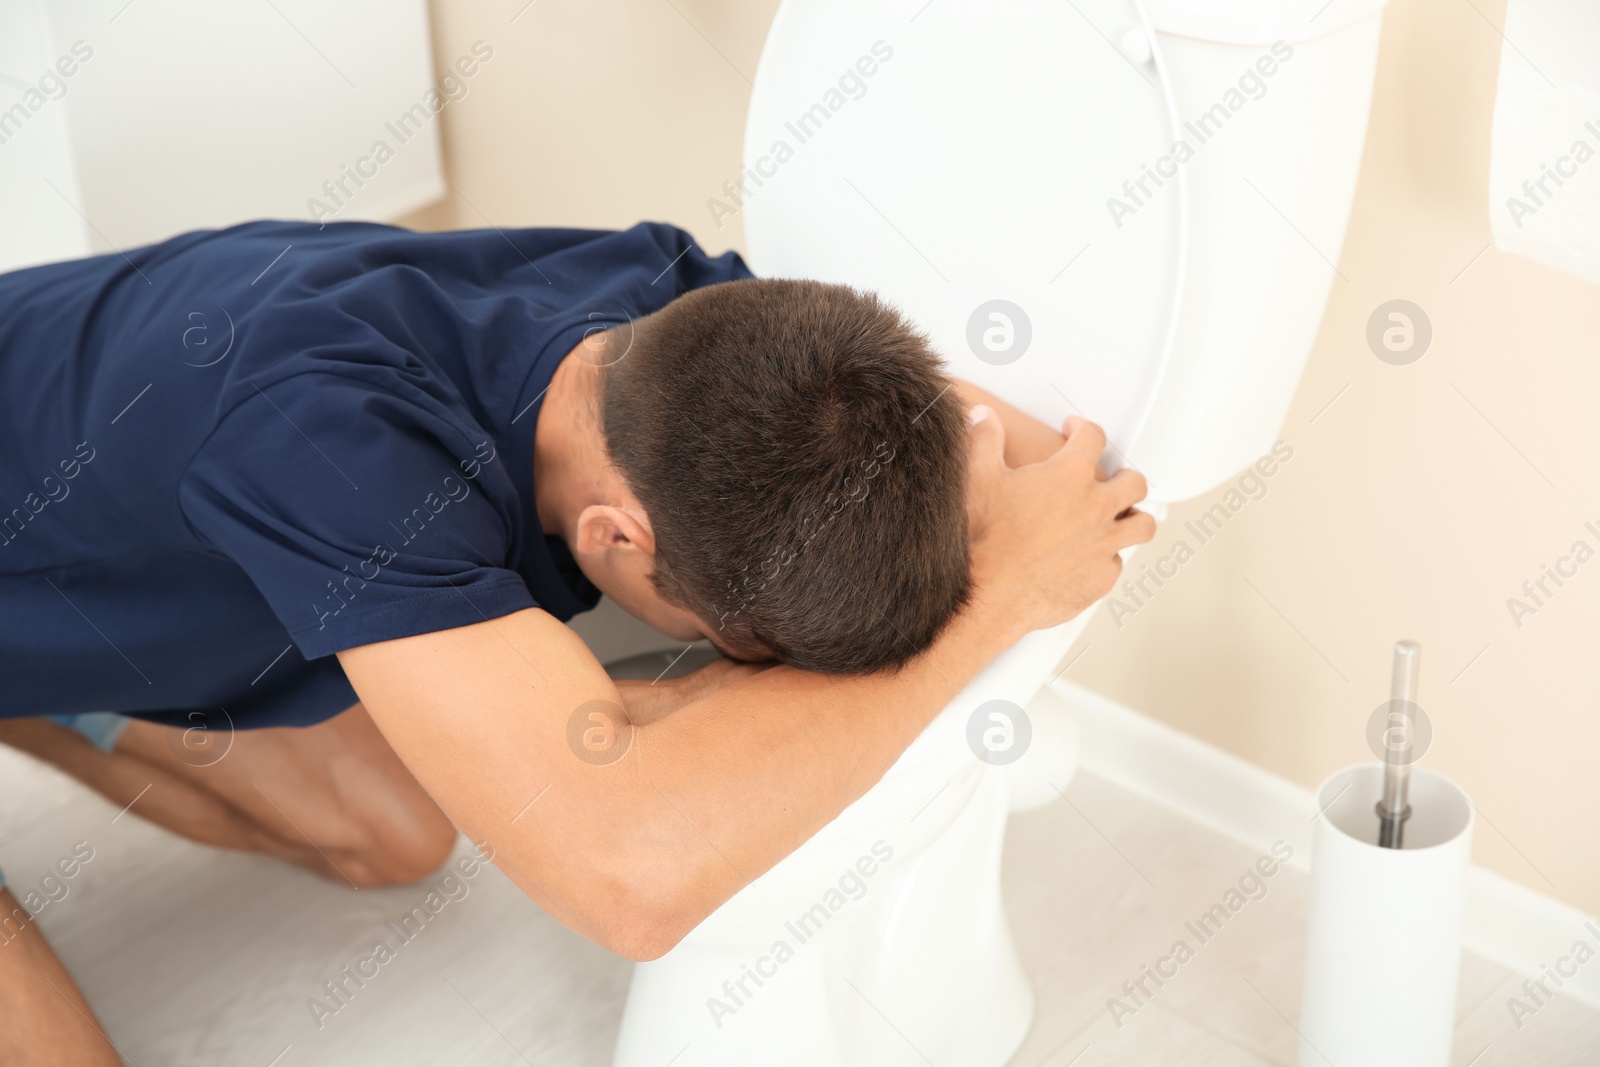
point(568, 452)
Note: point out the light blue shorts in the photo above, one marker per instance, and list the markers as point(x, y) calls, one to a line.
point(100, 727)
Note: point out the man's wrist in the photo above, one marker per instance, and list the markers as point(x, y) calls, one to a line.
point(980, 632)
point(1003, 607)
point(1001, 616)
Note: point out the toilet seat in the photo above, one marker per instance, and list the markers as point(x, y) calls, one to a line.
point(1019, 211)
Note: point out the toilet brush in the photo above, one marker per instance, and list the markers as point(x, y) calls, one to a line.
point(1393, 809)
point(1390, 848)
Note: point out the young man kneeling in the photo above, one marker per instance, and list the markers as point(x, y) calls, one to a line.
point(332, 493)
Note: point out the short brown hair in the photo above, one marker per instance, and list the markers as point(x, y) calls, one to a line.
point(803, 464)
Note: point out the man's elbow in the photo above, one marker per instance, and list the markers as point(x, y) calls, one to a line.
point(647, 922)
point(648, 933)
point(644, 945)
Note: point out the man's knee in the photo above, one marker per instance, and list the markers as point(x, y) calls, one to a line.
point(400, 858)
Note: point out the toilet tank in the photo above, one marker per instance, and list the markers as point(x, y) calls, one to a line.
point(1009, 174)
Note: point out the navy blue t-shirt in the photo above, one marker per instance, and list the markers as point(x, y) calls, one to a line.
point(229, 455)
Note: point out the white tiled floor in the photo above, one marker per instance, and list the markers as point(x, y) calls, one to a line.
point(1102, 883)
point(198, 957)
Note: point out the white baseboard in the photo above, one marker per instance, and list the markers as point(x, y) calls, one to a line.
point(1507, 923)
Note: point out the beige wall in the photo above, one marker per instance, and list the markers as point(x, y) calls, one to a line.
point(1416, 503)
point(599, 113)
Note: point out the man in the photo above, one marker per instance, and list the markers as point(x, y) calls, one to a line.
point(352, 480)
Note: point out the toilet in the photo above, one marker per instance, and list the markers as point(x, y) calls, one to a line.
point(1122, 209)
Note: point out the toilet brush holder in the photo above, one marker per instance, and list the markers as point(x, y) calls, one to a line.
point(1383, 937)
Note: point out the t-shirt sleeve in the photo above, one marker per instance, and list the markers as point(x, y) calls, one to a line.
point(690, 266)
point(359, 515)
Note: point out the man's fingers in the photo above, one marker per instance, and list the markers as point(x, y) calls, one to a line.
point(1085, 442)
point(1127, 487)
point(986, 463)
point(1136, 528)
point(987, 437)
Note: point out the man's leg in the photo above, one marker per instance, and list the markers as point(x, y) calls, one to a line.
point(44, 1020)
point(333, 798)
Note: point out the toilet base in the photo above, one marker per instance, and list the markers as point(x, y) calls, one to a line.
point(883, 940)
point(1041, 776)
point(884, 943)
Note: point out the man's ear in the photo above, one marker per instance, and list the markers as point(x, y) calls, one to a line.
point(604, 527)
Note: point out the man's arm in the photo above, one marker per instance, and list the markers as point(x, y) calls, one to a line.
point(636, 853)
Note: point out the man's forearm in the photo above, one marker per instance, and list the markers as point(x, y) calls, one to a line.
point(809, 744)
point(636, 853)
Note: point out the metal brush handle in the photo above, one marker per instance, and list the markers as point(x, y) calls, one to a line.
point(1394, 809)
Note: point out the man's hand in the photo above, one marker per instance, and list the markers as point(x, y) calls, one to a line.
point(1045, 536)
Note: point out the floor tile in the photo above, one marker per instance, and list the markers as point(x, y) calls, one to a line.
point(195, 956)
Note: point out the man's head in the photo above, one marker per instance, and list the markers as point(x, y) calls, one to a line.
point(797, 468)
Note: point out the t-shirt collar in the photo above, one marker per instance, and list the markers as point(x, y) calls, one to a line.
point(545, 562)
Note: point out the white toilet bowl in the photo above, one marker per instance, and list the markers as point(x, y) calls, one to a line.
point(782, 966)
point(965, 170)
point(827, 959)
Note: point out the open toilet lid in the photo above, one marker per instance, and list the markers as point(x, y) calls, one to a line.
point(959, 158)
